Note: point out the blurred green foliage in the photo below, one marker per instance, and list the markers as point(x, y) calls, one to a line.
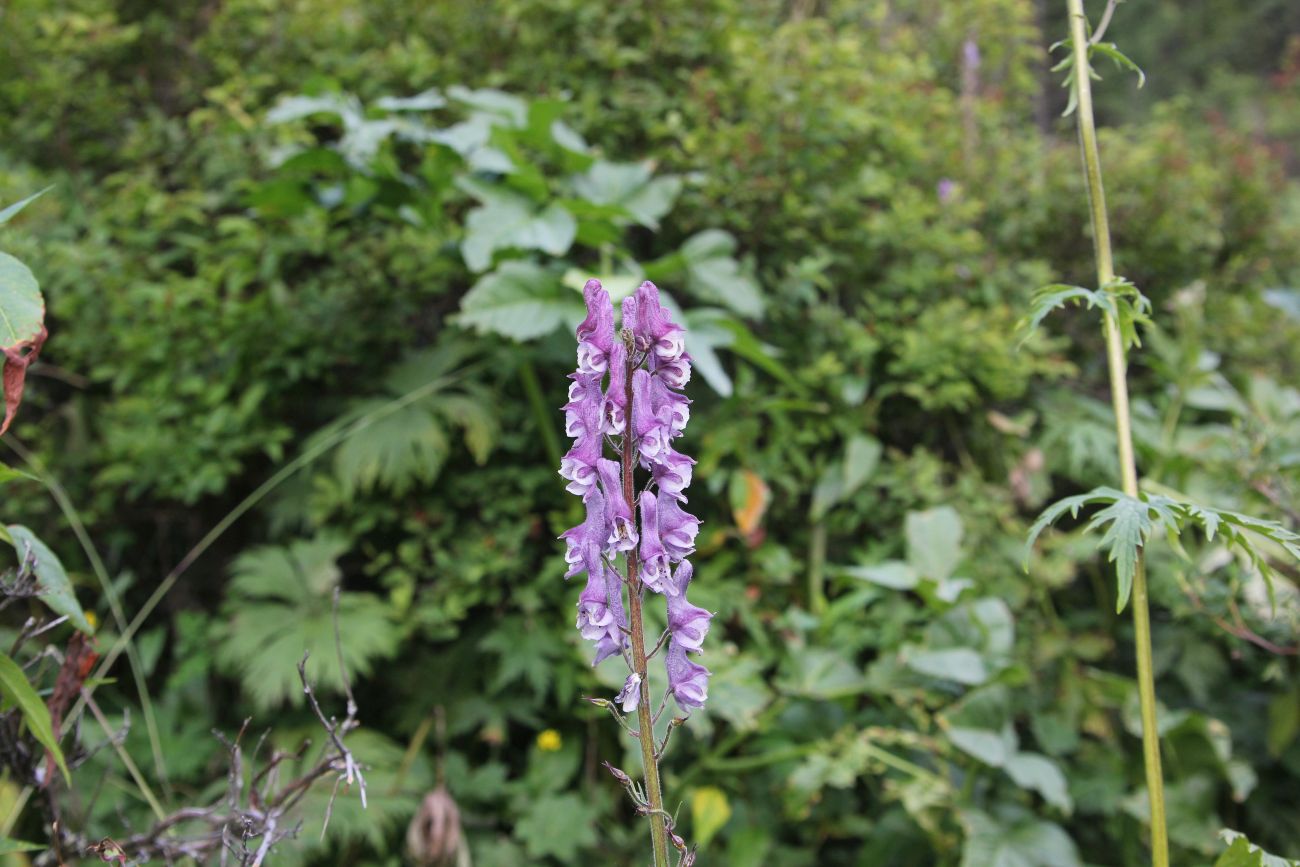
point(281, 224)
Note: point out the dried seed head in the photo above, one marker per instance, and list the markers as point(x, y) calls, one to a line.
point(434, 836)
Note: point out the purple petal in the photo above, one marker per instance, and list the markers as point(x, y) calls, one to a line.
point(655, 572)
point(591, 533)
point(688, 623)
point(618, 514)
point(688, 681)
point(630, 695)
point(598, 328)
point(677, 529)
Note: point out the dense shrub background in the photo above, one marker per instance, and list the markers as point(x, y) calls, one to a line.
point(872, 424)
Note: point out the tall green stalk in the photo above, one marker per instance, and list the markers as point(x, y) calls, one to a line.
point(1117, 363)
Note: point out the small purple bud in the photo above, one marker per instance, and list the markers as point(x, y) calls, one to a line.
point(654, 327)
point(622, 777)
point(630, 695)
point(945, 189)
point(596, 332)
point(688, 681)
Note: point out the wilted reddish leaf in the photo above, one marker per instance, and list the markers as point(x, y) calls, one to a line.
point(749, 498)
point(17, 358)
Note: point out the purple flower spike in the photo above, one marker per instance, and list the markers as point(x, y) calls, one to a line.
point(630, 695)
point(677, 529)
point(588, 536)
point(655, 571)
point(688, 681)
point(618, 514)
point(688, 623)
point(596, 332)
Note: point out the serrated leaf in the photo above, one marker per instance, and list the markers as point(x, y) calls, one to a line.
point(16, 688)
point(56, 588)
point(513, 222)
point(10, 212)
point(519, 300)
point(1015, 839)
point(557, 826)
point(630, 187)
point(1243, 853)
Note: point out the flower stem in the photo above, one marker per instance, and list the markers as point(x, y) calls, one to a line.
point(1118, 366)
point(645, 725)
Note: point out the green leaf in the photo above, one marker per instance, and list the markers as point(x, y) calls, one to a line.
point(22, 309)
point(15, 688)
point(10, 847)
point(894, 574)
point(1243, 853)
point(57, 590)
point(12, 211)
point(993, 748)
point(510, 221)
point(961, 664)
point(630, 187)
point(1015, 838)
point(712, 273)
point(934, 541)
point(710, 811)
point(557, 826)
point(826, 674)
point(9, 474)
point(1037, 772)
point(519, 300)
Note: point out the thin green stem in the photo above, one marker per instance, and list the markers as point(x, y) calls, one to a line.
point(817, 568)
point(645, 724)
point(1118, 366)
point(543, 415)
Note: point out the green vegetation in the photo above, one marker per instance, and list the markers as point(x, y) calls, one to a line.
point(311, 271)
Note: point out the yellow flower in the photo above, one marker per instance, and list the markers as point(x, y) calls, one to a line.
point(92, 620)
point(549, 741)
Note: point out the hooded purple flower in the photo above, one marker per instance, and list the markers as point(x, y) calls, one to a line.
point(688, 681)
point(596, 332)
point(679, 405)
point(688, 623)
point(673, 474)
point(590, 535)
point(654, 326)
point(616, 395)
point(630, 695)
point(655, 571)
point(653, 433)
point(677, 529)
point(618, 514)
point(597, 608)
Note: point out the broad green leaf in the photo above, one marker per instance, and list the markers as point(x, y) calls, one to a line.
point(56, 589)
point(426, 101)
point(9, 474)
point(22, 309)
point(1037, 772)
point(510, 221)
point(519, 300)
point(15, 687)
point(1283, 721)
point(631, 187)
point(934, 541)
point(861, 457)
point(10, 212)
point(894, 574)
point(960, 664)
point(558, 826)
point(819, 673)
point(710, 811)
point(1015, 839)
point(993, 748)
point(712, 273)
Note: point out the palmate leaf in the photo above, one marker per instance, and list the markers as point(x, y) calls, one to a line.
point(1243, 853)
point(1129, 522)
point(280, 605)
point(1120, 299)
point(403, 438)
